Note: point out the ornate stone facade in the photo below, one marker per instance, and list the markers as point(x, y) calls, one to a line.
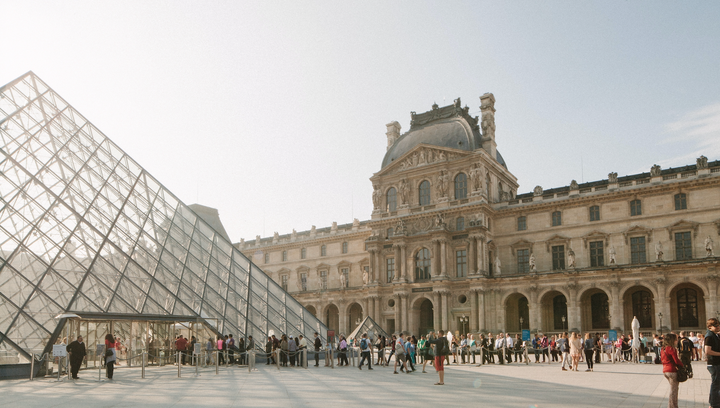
point(450, 244)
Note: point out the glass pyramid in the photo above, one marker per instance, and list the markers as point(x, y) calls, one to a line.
point(85, 229)
point(366, 326)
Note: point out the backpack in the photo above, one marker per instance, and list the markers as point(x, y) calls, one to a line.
point(686, 345)
point(363, 344)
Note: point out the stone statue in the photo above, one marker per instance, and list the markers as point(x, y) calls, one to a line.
point(655, 170)
point(533, 267)
point(343, 282)
point(612, 178)
point(658, 251)
point(333, 227)
point(276, 237)
point(400, 228)
point(313, 231)
point(439, 221)
point(404, 191)
point(442, 184)
point(488, 124)
point(537, 191)
point(294, 234)
point(441, 157)
point(376, 197)
point(365, 277)
point(356, 222)
point(612, 253)
point(574, 185)
point(571, 258)
point(423, 160)
point(709, 246)
point(702, 162)
point(497, 265)
point(475, 176)
point(257, 239)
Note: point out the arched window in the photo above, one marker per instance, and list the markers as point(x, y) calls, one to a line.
point(687, 308)
point(424, 193)
point(460, 186)
point(559, 312)
point(323, 250)
point(523, 313)
point(391, 198)
point(642, 307)
point(422, 265)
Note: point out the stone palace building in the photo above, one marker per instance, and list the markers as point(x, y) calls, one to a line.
point(451, 245)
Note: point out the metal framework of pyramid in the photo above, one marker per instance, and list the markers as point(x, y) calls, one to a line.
point(367, 325)
point(85, 229)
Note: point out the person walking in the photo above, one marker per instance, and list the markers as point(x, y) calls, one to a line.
point(712, 351)
point(685, 347)
point(221, 349)
point(400, 354)
point(589, 351)
point(365, 352)
point(564, 348)
point(380, 345)
point(575, 350)
point(410, 355)
point(77, 355)
point(442, 349)
point(671, 362)
point(392, 350)
point(110, 356)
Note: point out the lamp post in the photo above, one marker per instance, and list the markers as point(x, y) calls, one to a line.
point(660, 316)
point(463, 323)
point(564, 319)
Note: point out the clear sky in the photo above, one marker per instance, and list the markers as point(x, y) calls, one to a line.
point(274, 112)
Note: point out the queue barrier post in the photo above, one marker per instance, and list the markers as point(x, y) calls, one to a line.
point(305, 361)
point(277, 358)
point(482, 356)
point(67, 364)
point(527, 359)
point(217, 362)
point(549, 356)
point(143, 364)
point(32, 366)
point(178, 363)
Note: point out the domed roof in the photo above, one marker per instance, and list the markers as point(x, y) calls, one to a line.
point(455, 133)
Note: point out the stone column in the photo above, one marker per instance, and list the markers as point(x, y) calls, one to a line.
point(573, 308)
point(481, 309)
point(444, 315)
point(616, 312)
point(533, 310)
point(378, 310)
point(398, 313)
point(436, 311)
point(373, 254)
point(473, 311)
point(405, 314)
point(342, 319)
point(371, 307)
point(376, 266)
point(443, 259)
point(711, 301)
point(398, 263)
point(436, 258)
point(403, 254)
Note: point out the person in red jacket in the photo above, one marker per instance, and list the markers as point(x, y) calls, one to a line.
point(671, 362)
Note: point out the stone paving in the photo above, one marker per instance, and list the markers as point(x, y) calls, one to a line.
point(513, 385)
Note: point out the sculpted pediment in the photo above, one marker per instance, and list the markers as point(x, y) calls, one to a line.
point(595, 236)
point(422, 155)
point(683, 225)
point(638, 230)
point(520, 244)
point(557, 240)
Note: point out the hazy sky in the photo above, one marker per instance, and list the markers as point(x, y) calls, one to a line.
point(274, 112)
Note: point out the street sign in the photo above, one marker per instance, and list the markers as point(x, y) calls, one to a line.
point(612, 335)
point(526, 335)
point(59, 350)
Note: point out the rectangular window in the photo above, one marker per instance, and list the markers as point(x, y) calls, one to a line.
point(680, 201)
point(344, 247)
point(523, 260)
point(635, 208)
point(460, 224)
point(521, 223)
point(284, 256)
point(683, 246)
point(323, 250)
point(323, 280)
point(346, 274)
point(285, 282)
point(597, 254)
point(595, 213)
point(390, 269)
point(461, 263)
point(303, 281)
point(558, 257)
point(267, 258)
point(303, 253)
point(637, 250)
point(389, 232)
point(556, 218)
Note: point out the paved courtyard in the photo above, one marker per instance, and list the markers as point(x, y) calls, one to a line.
point(534, 385)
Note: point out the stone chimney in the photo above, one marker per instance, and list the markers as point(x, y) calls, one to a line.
point(487, 124)
point(393, 133)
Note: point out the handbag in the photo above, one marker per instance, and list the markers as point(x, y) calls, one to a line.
point(682, 374)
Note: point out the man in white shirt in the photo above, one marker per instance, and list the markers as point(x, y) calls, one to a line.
point(696, 344)
point(607, 347)
point(508, 347)
point(302, 345)
point(499, 348)
point(463, 348)
point(450, 343)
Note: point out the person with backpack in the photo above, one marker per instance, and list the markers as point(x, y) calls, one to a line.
point(686, 349)
point(365, 352)
point(400, 354)
point(410, 355)
point(442, 349)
